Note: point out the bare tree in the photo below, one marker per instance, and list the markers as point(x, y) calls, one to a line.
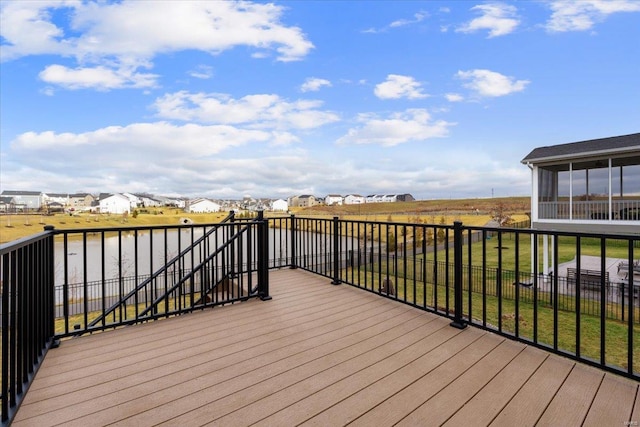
point(500, 215)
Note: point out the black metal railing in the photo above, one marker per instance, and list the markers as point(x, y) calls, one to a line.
point(62, 283)
point(26, 271)
point(508, 280)
point(493, 278)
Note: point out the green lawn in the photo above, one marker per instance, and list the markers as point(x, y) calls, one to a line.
point(500, 314)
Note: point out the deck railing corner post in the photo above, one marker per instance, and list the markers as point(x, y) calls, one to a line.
point(458, 322)
point(263, 257)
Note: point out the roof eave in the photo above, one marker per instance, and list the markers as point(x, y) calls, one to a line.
point(597, 153)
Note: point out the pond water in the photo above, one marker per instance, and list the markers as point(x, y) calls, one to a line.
point(100, 259)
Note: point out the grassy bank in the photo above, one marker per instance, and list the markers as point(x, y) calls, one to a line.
point(14, 227)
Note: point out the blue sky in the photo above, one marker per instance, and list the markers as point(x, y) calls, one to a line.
point(227, 99)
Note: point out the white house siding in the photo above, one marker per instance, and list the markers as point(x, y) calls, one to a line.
point(333, 199)
point(115, 204)
point(280, 205)
point(203, 206)
point(353, 199)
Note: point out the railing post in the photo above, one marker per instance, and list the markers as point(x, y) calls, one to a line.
point(263, 257)
point(50, 285)
point(336, 253)
point(293, 265)
point(457, 276)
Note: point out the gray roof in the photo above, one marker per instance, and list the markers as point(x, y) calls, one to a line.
point(614, 144)
point(21, 193)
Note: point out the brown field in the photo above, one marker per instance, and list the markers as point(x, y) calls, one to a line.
point(473, 212)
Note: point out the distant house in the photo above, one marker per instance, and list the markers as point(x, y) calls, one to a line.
point(202, 206)
point(280, 205)
point(147, 201)
point(60, 198)
point(307, 200)
point(6, 204)
point(25, 200)
point(404, 197)
point(55, 207)
point(81, 200)
point(303, 201)
point(389, 198)
point(333, 199)
point(134, 201)
point(354, 199)
point(115, 204)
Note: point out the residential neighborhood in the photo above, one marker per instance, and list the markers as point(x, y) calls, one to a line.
point(16, 201)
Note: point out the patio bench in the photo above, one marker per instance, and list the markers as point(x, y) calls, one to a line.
point(624, 269)
point(589, 279)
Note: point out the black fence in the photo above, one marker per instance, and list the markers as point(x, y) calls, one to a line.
point(493, 278)
point(508, 280)
point(26, 271)
point(64, 283)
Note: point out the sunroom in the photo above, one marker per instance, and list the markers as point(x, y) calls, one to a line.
point(589, 185)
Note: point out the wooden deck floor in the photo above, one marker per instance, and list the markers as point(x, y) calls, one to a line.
point(317, 355)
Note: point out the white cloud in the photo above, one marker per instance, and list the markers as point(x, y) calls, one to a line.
point(499, 18)
point(581, 15)
point(454, 97)
point(417, 18)
point(313, 84)
point(488, 83)
point(203, 72)
point(261, 111)
point(100, 78)
point(397, 86)
point(410, 125)
point(115, 144)
point(127, 35)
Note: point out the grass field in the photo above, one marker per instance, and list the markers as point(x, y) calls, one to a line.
point(472, 212)
point(487, 310)
point(14, 227)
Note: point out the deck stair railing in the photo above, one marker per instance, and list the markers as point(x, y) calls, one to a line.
point(184, 275)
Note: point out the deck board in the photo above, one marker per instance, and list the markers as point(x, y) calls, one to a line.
point(316, 354)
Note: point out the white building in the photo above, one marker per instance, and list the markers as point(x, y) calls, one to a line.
point(354, 199)
point(333, 199)
point(59, 198)
point(202, 206)
point(280, 205)
point(134, 201)
point(115, 204)
point(148, 202)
